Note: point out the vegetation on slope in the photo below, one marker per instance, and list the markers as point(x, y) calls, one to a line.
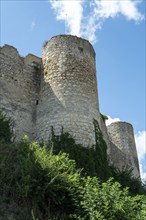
point(92, 160)
point(39, 183)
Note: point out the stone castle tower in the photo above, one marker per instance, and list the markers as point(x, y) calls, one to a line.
point(60, 90)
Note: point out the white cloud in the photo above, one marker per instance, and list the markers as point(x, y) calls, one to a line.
point(130, 11)
point(33, 24)
point(111, 120)
point(71, 12)
point(102, 10)
point(140, 139)
point(84, 18)
point(142, 173)
point(112, 8)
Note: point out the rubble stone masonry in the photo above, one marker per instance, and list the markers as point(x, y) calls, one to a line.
point(60, 90)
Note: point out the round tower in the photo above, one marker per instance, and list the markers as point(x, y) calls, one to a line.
point(121, 134)
point(68, 96)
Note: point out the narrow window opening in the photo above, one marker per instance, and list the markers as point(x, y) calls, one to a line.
point(80, 49)
point(37, 102)
point(35, 65)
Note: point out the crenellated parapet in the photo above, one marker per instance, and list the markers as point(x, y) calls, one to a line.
point(18, 89)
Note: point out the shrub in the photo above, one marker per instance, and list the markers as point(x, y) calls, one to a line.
point(36, 184)
point(6, 128)
point(108, 201)
point(126, 179)
point(92, 160)
point(31, 176)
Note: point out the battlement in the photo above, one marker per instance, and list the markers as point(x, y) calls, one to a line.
point(31, 59)
point(12, 52)
point(19, 88)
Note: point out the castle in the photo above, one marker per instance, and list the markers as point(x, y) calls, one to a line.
point(60, 90)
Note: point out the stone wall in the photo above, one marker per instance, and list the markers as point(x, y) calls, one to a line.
point(68, 95)
point(121, 135)
point(60, 90)
point(18, 86)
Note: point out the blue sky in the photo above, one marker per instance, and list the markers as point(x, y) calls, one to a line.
point(116, 28)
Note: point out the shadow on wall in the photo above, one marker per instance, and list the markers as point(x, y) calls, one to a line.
point(27, 96)
point(68, 94)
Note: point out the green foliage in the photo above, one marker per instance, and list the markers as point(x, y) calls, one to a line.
point(104, 117)
point(35, 184)
point(107, 201)
point(92, 160)
point(32, 173)
point(126, 179)
point(6, 128)
point(41, 183)
point(101, 152)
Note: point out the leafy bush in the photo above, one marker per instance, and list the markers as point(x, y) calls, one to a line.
point(36, 184)
point(107, 201)
point(32, 173)
point(6, 128)
point(126, 179)
point(92, 160)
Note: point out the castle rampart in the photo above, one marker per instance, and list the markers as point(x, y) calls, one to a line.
point(60, 90)
point(18, 82)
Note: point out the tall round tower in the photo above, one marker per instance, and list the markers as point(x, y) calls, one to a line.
point(68, 96)
point(121, 134)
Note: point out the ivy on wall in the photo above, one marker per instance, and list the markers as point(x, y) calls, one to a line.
point(6, 128)
point(92, 160)
point(101, 152)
